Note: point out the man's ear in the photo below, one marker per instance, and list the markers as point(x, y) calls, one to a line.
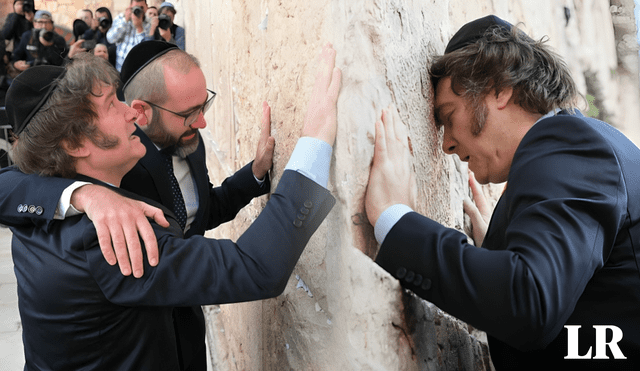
point(145, 113)
point(503, 98)
point(79, 152)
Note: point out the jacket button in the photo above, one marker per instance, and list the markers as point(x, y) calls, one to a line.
point(308, 204)
point(32, 209)
point(426, 285)
point(20, 208)
point(297, 223)
point(301, 217)
point(304, 211)
point(39, 210)
point(401, 272)
point(409, 276)
point(418, 280)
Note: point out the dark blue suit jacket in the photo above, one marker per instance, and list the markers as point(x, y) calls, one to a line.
point(78, 312)
point(149, 179)
point(563, 247)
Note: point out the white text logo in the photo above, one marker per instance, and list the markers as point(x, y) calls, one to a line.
point(601, 342)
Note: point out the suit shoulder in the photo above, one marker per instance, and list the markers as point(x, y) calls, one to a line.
point(567, 128)
point(564, 150)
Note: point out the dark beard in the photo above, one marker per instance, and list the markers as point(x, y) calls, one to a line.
point(163, 139)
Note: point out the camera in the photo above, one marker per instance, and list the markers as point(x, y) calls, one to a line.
point(46, 35)
point(88, 44)
point(137, 11)
point(27, 7)
point(164, 21)
point(104, 22)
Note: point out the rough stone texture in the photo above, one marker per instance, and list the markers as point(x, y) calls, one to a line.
point(340, 311)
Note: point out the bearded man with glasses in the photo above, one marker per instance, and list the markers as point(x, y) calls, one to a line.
point(169, 91)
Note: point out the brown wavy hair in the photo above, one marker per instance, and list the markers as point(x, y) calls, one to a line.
point(68, 115)
point(503, 59)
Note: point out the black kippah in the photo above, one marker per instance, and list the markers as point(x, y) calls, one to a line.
point(29, 92)
point(473, 31)
point(140, 56)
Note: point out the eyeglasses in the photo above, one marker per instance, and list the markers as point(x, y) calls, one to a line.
point(191, 118)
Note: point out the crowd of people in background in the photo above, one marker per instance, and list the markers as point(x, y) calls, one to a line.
point(29, 37)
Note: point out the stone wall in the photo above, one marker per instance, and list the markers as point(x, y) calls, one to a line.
point(340, 311)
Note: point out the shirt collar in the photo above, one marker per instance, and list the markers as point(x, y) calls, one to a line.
point(553, 112)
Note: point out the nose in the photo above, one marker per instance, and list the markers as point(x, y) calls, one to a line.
point(448, 142)
point(130, 114)
point(201, 123)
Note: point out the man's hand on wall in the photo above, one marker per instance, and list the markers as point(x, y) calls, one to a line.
point(266, 144)
point(391, 180)
point(478, 210)
point(321, 119)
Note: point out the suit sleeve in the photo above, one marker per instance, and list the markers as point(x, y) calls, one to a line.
point(19, 190)
point(560, 213)
point(198, 271)
point(233, 194)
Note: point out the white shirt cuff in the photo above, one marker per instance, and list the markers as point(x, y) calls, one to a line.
point(312, 158)
point(388, 219)
point(65, 209)
point(260, 181)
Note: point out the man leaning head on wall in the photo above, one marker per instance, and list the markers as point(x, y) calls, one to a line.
point(557, 280)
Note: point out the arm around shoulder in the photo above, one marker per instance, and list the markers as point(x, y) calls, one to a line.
point(199, 271)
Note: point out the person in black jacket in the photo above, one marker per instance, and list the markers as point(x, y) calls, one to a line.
point(97, 33)
point(40, 46)
point(18, 22)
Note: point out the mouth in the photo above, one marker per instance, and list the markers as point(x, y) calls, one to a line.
point(190, 136)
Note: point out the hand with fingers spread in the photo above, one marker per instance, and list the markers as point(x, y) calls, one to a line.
point(391, 180)
point(120, 222)
point(478, 210)
point(264, 155)
point(321, 119)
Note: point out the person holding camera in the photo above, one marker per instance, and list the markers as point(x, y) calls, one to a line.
point(152, 11)
point(128, 30)
point(97, 33)
point(18, 22)
point(40, 46)
point(163, 28)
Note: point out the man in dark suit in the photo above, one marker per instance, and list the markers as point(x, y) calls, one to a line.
point(76, 309)
point(556, 281)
